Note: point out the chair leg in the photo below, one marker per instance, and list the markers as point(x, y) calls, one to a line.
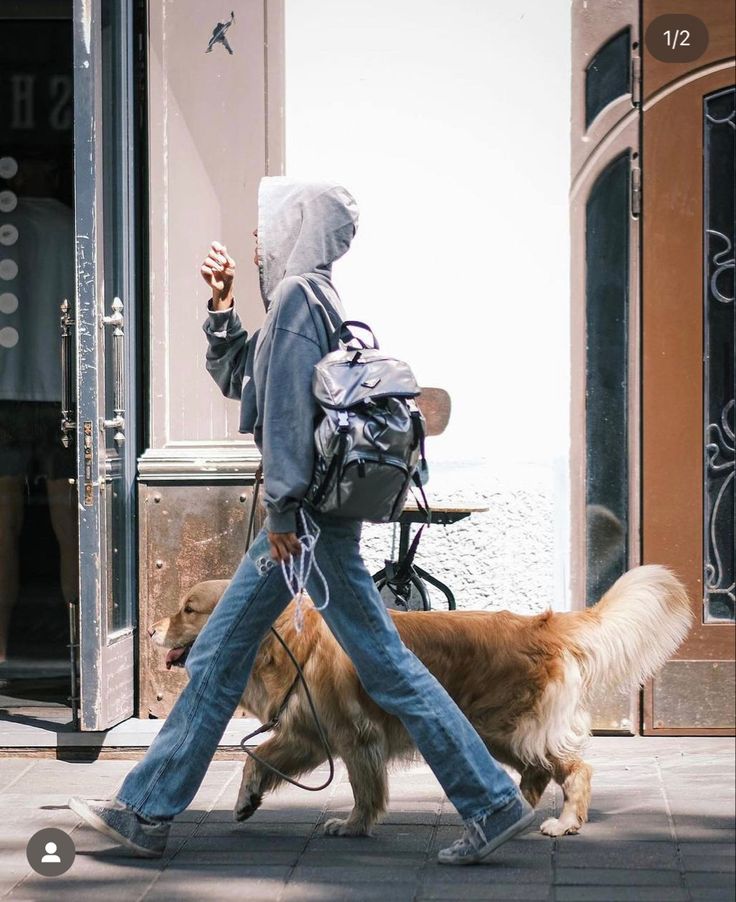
point(422, 589)
point(433, 581)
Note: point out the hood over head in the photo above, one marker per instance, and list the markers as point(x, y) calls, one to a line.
point(303, 227)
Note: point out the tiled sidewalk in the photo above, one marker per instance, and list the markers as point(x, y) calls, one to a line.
point(662, 828)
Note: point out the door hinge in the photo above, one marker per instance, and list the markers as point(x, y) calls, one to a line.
point(635, 191)
point(635, 80)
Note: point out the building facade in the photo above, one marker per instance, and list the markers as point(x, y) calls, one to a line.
point(134, 133)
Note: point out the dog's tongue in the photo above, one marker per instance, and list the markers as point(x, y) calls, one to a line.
point(173, 655)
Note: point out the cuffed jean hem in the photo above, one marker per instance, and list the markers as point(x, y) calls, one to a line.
point(146, 817)
point(488, 812)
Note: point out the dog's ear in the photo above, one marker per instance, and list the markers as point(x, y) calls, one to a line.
point(205, 595)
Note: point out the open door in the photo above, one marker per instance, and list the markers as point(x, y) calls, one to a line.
point(100, 343)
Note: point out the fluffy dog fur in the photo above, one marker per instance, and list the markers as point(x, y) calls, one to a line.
point(524, 682)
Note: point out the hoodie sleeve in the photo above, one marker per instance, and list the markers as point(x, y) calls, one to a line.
point(227, 350)
point(289, 412)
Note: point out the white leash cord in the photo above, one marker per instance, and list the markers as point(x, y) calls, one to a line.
point(298, 569)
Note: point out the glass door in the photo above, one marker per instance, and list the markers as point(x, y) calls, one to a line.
point(98, 413)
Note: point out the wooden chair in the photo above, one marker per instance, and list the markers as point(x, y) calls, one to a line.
point(403, 588)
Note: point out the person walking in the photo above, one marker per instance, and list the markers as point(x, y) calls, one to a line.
point(303, 228)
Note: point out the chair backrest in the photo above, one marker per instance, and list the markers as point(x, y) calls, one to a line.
point(435, 405)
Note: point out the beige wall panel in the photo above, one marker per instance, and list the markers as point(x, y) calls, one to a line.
point(209, 146)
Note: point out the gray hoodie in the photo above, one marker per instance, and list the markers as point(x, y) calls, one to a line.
point(302, 229)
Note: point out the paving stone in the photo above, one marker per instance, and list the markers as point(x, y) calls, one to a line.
point(211, 857)
point(621, 894)
point(218, 883)
point(724, 864)
point(412, 840)
point(327, 891)
point(492, 890)
point(362, 859)
point(12, 769)
point(588, 853)
point(305, 814)
point(712, 894)
point(629, 827)
point(241, 842)
point(704, 832)
point(427, 818)
point(110, 884)
point(724, 849)
point(697, 879)
point(617, 877)
point(494, 871)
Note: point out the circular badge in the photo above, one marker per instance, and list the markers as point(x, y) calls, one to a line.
point(50, 852)
point(676, 38)
point(8, 337)
point(8, 302)
point(8, 201)
point(8, 167)
point(8, 234)
point(8, 269)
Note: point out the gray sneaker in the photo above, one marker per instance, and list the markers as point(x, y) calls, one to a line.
point(145, 838)
point(479, 839)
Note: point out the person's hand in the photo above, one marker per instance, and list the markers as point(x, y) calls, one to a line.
point(218, 271)
point(284, 545)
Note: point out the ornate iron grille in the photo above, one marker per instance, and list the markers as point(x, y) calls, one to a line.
point(719, 184)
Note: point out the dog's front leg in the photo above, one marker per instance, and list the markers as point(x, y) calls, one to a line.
point(366, 766)
point(574, 779)
point(288, 751)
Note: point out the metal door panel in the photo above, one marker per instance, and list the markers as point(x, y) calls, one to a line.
point(104, 263)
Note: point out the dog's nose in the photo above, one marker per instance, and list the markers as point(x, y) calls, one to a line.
point(151, 632)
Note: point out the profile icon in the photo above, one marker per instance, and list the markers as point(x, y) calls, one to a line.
point(50, 852)
point(51, 857)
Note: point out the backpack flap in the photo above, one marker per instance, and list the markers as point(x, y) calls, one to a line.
point(340, 381)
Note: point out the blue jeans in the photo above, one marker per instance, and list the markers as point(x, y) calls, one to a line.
point(165, 781)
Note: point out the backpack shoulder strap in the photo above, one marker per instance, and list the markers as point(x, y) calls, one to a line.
point(330, 316)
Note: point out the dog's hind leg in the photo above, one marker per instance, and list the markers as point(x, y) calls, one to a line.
point(365, 760)
point(573, 777)
point(534, 781)
point(290, 752)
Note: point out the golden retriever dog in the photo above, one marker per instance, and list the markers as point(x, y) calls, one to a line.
point(524, 682)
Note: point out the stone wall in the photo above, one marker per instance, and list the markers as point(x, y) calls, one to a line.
point(512, 556)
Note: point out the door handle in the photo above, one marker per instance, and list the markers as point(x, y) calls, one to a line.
point(117, 321)
point(67, 369)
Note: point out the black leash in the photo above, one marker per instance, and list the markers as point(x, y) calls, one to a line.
point(274, 722)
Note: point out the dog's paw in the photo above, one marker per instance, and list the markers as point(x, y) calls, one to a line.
point(247, 807)
point(557, 827)
point(337, 826)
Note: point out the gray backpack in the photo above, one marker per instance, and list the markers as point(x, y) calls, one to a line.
point(369, 443)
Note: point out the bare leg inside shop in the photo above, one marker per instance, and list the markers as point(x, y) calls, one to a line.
point(63, 511)
point(11, 521)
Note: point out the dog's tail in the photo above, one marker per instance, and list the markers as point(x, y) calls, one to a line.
point(637, 625)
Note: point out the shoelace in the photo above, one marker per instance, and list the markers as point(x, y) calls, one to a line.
point(473, 836)
point(298, 570)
